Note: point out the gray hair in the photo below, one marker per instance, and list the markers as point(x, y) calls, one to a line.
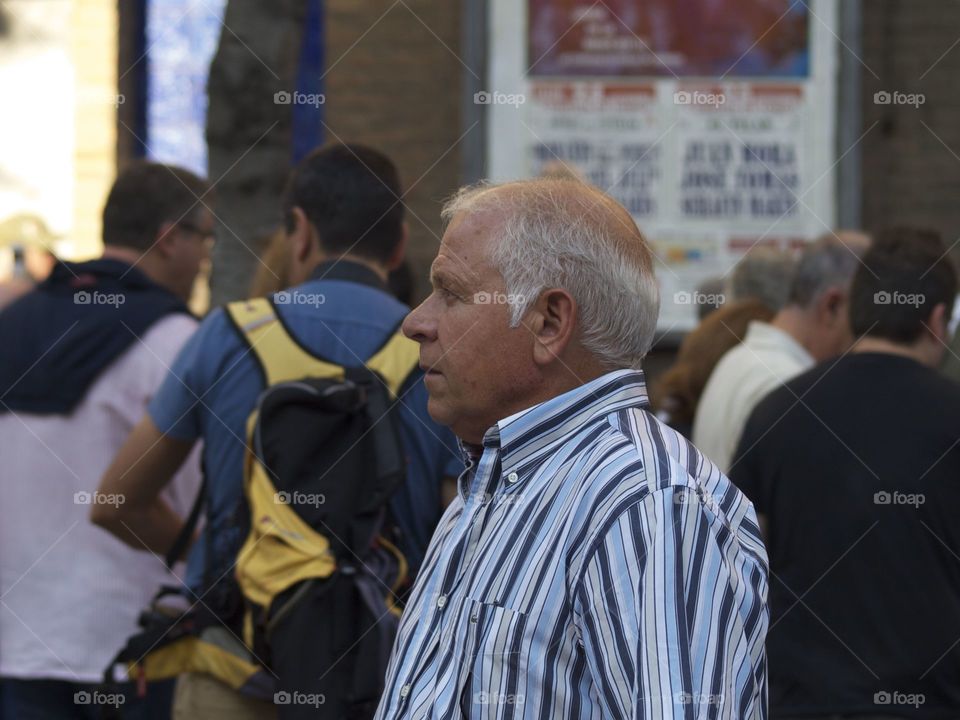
point(764, 273)
point(826, 263)
point(566, 234)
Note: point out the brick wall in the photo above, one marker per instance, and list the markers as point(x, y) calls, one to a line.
point(391, 83)
point(911, 158)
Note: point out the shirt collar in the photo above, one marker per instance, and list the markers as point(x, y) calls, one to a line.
point(526, 436)
point(471, 453)
point(762, 334)
point(349, 270)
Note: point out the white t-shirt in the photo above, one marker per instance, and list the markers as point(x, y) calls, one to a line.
point(765, 360)
point(71, 592)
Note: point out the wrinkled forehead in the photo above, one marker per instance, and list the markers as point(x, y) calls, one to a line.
point(469, 242)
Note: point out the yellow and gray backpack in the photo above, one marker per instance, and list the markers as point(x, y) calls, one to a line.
point(307, 619)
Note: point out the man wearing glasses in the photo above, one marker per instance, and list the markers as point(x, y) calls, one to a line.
point(82, 355)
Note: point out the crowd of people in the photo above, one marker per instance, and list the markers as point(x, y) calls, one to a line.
point(484, 484)
point(836, 411)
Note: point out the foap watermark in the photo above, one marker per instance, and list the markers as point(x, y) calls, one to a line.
point(83, 497)
point(295, 297)
point(688, 698)
point(898, 298)
point(488, 97)
point(514, 498)
point(95, 697)
point(695, 97)
point(299, 498)
point(898, 498)
point(698, 298)
point(498, 698)
point(95, 297)
point(284, 97)
point(93, 96)
point(885, 97)
point(497, 298)
point(895, 697)
point(299, 698)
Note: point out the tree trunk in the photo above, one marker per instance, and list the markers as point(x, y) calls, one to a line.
point(248, 134)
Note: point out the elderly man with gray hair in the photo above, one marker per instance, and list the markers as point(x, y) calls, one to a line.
point(594, 563)
point(811, 327)
point(764, 273)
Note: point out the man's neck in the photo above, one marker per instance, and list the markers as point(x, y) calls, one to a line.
point(869, 344)
point(376, 267)
point(143, 262)
point(795, 323)
point(559, 384)
point(127, 255)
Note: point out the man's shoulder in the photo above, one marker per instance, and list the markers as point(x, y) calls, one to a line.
point(740, 380)
point(645, 462)
point(630, 456)
point(214, 347)
point(156, 348)
point(172, 330)
point(338, 299)
point(937, 385)
point(775, 407)
point(739, 366)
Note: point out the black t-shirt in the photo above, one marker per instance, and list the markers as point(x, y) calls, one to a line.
point(859, 480)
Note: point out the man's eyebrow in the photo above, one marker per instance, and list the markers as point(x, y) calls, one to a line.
point(441, 276)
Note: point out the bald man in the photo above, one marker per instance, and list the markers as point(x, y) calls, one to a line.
point(594, 563)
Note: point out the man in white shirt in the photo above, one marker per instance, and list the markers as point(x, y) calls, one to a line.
point(811, 327)
point(84, 352)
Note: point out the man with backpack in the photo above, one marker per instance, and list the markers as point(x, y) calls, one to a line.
point(303, 483)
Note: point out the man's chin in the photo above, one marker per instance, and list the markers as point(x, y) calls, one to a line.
point(438, 410)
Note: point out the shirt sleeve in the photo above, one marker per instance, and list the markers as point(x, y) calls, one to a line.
point(658, 611)
point(176, 407)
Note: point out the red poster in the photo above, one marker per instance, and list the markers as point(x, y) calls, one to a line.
point(681, 38)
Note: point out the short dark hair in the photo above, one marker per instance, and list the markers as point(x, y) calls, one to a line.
point(904, 275)
point(400, 283)
point(144, 197)
point(351, 195)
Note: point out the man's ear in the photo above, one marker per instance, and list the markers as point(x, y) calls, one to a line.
point(830, 306)
point(938, 324)
point(552, 322)
point(163, 243)
point(302, 240)
point(400, 251)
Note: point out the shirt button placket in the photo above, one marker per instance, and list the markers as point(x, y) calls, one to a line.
point(401, 704)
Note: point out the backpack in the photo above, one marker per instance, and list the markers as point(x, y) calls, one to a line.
point(308, 618)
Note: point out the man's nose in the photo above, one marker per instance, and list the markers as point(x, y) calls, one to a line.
point(419, 325)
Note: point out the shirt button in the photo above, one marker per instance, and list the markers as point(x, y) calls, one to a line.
point(441, 601)
point(512, 478)
point(404, 691)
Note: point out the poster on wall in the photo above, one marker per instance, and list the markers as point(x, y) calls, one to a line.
point(711, 121)
point(678, 38)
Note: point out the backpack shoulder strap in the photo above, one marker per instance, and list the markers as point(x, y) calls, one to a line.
point(280, 356)
point(394, 362)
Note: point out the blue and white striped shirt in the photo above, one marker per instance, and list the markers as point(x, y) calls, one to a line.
point(595, 565)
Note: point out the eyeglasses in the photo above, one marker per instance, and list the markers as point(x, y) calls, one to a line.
point(208, 236)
